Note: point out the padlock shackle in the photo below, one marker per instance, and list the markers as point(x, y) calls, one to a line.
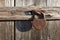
point(37, 14)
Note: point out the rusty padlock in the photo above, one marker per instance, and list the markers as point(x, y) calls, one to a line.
point(38, 21)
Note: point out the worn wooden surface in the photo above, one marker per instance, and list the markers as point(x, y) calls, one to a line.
point(50, 32)
point(6, 30)
point(9, 16)
point(24, 9)
point(14, 15)
point(6, 27)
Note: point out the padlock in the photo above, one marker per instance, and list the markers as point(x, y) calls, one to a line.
point(38, 21)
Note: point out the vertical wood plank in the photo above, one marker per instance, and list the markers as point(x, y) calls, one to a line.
point(53, 30)
point(6, 30)
point(6, 27)
point(40, 3)
point(6, 3)
point(24, 3)
point(53, 26)
point(9, 3)
point(2, 3)
point(53, 3)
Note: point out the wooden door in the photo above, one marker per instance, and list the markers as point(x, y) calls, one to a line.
point(50, 32)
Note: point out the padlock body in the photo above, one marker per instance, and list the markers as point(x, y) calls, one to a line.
point(39, 23)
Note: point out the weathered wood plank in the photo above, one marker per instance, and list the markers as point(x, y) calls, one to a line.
point(6, 30)
point(6, 3)
point(20, 3)
point(21, 16)
point(41, 3)
point(2, 3)
point(53, 3)
point(9, 3)
point(28, 17)
point(6, 27)
point(53, 26)
point(23, 9)
point(53, 30)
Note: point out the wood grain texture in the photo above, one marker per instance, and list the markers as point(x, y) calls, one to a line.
point(6, 30)
point(24, 2)
point(53, 3)
point(50, 32)
point(20, 3)
point(6, 3)
point(24, 9)
point(2, 3)
point(6, 27)
point(17, 13)
point(33, 34)
point(53, 26)
point(9, 3)
point(21, 16)
point(53, 30)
